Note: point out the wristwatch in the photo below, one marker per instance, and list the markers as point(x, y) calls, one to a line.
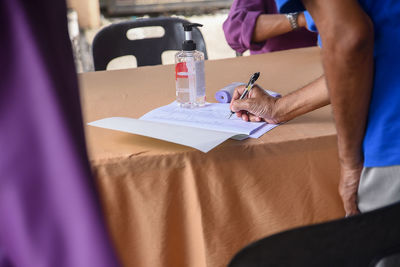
point(292, 17)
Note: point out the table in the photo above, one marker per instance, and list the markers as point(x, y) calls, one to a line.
point(171, 205)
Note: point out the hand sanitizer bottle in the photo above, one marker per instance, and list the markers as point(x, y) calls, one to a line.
point(189, 72)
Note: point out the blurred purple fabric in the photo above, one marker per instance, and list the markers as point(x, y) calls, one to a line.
point(49, 212)
point(239, 27)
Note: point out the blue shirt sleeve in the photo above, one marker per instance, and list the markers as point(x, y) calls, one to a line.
point(288, 6)
point(310, 22)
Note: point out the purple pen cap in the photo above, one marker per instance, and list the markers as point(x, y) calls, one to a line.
point(225, 94)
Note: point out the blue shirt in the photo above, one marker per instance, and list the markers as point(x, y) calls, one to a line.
point(381, 143)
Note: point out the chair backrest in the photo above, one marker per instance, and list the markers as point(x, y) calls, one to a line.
point(361, 240)
point(112, 42)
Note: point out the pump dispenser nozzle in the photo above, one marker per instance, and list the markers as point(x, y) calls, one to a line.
point(189, 44)
point(189, 26)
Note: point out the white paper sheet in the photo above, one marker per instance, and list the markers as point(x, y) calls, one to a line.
point(201, 139)
point(262, 130)
point(201, 128)
point(212, 116)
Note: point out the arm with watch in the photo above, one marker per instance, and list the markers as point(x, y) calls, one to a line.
point(255, 25)
point(271, 25)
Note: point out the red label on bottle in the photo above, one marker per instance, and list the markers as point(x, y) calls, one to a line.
point(181, 70)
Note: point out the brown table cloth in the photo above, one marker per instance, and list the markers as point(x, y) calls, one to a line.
point(171, 205)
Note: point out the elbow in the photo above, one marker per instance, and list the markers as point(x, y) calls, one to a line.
point(361, 39)
point(233, 38)
point(355, 39)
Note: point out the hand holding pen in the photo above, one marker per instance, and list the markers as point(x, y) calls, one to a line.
point(258, 106)
point(248, 88)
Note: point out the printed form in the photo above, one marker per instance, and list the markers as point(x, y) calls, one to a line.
point(202, 128)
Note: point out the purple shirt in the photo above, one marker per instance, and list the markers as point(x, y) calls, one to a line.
point(49, 213)
point(239, 27)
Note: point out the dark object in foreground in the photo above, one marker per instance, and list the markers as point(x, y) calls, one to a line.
point(361, 240)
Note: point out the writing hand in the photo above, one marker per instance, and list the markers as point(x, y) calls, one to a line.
point(257, 107)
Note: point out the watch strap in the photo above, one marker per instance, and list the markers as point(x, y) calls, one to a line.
point(292, 17)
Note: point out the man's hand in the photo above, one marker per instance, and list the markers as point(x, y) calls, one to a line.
point(348, 186)
point(257, 107)
point(261, 106)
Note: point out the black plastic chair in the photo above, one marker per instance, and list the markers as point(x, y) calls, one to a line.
point(360, 240)
point(112, 42)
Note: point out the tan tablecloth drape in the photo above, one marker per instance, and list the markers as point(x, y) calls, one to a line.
point(170, 205)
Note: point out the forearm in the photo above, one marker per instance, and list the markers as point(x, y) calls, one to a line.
point(350, 91)
point(301, 101)
point(347, 55)
point(271, 25)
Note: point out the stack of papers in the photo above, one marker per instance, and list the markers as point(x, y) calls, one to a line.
point(202, 128)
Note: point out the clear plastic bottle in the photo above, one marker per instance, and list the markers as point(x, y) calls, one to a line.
point(189, 73)
point(190, 87)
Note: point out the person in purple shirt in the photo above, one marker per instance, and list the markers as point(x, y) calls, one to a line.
point(257, 26)
point(49, 213)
